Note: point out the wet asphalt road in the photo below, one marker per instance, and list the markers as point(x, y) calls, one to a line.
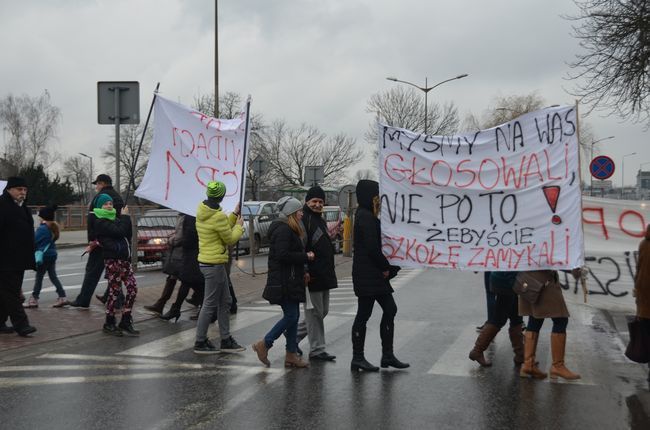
point(156, 382)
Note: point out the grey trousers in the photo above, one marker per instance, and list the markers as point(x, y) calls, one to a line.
point(312, 325)
point(216, 299)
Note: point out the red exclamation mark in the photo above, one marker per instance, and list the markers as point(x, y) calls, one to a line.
point(552, 194)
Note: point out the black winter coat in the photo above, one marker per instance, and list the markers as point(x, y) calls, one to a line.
point(322, 272)
point(287, 258)
point(190, 272)
point(114, 236)
point(369, 262)
point(16, 235)
point(118, 204)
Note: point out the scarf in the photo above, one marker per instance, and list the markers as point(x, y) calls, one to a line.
point(108, 214)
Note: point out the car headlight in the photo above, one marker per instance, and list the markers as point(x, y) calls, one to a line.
point(157, 241)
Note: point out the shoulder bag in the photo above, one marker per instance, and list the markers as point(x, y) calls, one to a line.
point(529, 285)
point(38, 254)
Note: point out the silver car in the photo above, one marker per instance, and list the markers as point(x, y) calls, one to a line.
point(262, 214)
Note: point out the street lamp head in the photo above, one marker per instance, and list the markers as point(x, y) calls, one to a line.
point(85, 155)
point(464, 75)
point(392, 78)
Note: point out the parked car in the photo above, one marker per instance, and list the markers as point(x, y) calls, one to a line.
point(333, 216)
point(154, 228)
point(263, 213)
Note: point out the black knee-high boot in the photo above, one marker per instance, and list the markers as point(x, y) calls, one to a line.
point(388, 359)
point(359, 362)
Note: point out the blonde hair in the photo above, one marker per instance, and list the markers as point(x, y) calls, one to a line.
point(376, 206)
point(294, 224)
point(54, 228)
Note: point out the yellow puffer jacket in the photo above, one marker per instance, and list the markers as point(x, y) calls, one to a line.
point(216, 231)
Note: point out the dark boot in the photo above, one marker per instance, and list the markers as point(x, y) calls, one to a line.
point(388, 359)
point(517, 342)
point(483, 340)
point(168, 289)
point(126, 325)
point(529, 367)
point(358, 360)
point(173, 312)
point(110, 327)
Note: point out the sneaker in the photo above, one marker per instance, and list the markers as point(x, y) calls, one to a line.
point(79, 306)
point(32, 303)
point(60, 302)
point(26, 331)
point(231, 345)
point(205, 347)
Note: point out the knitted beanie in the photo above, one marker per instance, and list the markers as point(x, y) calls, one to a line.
point(216, 190)
point(101, 199)
point(315, 193)
point(288, 205)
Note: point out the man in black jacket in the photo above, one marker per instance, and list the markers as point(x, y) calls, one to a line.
point(95, 264)
point(16, 252)
point(321, 274)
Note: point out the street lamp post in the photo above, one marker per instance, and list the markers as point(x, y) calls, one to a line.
point(426, 90)
point(591, 157)
point(623, 172)
point(91, 163)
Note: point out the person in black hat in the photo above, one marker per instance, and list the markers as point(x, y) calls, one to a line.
point(16, 253)
point(321, 275)
point(371, 274)
point(95, 264)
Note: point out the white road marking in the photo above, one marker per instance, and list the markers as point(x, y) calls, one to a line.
point(181, 341)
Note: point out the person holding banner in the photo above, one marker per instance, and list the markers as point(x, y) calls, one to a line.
point(285, 282)
point(371, 274)
point(505, 308)
point(549, 304)
point(216, 231)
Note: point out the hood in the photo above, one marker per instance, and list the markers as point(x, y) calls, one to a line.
point(204, 212)
point(275, 224)
point(366, 190)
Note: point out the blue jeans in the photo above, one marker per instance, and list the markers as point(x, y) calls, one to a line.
point(287, 325)
point(48, 266)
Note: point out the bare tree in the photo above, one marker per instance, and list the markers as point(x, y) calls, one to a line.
point(289, 151)
point(404, 107)
point(78, 174)
point(613, 72)
point(133, 165)
point(31, 123)
point(363, 174)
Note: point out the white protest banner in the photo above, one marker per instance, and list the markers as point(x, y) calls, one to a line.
point(3, 184)
point(505, 198)
point(613, 230)
point(190, 149)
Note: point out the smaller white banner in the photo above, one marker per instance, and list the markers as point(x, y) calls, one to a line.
point(189, 150)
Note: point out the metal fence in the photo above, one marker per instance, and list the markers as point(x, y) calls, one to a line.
point(72, 217)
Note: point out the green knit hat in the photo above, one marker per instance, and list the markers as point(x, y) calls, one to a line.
point(101, 199)
point(216, 190)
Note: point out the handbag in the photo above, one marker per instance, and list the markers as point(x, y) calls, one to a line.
point(529, 285)
point(638, 349)
point(38, 254)
point(273, 293)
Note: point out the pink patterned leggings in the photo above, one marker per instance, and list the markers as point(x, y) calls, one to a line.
point(118, 272)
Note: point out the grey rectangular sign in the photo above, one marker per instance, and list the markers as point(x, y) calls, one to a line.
point(129, 98)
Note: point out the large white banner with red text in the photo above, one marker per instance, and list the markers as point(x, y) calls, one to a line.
point(190, 149)
point(505, 198)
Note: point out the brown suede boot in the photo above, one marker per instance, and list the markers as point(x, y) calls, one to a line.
point(262, 352)
point(292, 360)
point(488, 332)
point(529, 367)
point(558, 345)
point(517, 342)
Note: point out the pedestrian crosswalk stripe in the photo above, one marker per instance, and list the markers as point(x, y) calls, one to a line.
point(185, 340)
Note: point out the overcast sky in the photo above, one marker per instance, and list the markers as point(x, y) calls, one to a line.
point(313, 61)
